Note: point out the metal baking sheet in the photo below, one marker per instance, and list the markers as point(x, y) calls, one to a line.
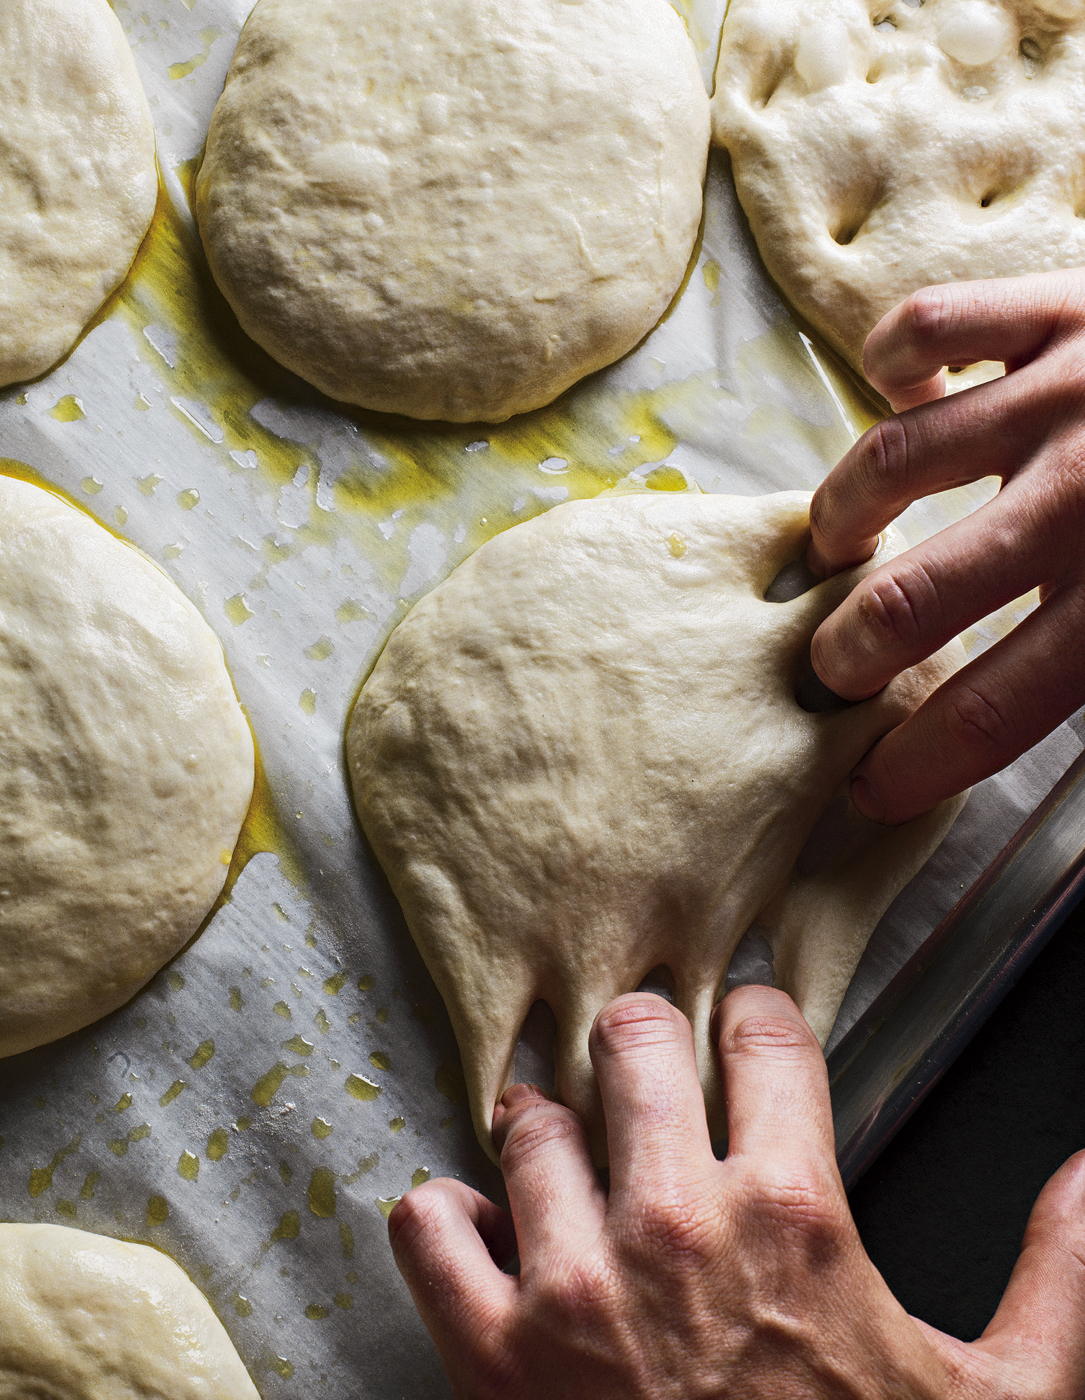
point(254, 1111)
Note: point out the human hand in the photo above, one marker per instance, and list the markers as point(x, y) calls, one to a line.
point(695, 1279)
point(1028, 429)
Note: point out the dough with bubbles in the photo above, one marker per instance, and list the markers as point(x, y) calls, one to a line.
point(126, 768)
point(581, 759)
point(77, 174)
point(880, 146)
point(86, 1317)
point(454, 208)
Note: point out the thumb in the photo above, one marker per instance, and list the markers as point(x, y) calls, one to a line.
point(1035, 1343)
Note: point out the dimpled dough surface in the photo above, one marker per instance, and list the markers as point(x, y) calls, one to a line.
point(879, 146)
point(84, 1317)
point(77, 174)
point(126, 768)
point(581, 757)
point(454, 208)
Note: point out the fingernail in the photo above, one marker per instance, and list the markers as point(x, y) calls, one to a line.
point(518, 1093)
point(866, 799)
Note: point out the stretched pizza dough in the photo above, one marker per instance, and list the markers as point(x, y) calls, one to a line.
point(881, 146)
point(581, 758)
point(78, 181)
point(454, 208)
point(90, 1318)
point(126, 769)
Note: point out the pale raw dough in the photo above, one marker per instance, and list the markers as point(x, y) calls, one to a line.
point(126, 768)
point(454, 208)
point(880, 146)
point(78, 181)
point(581, 757)
point(85, 1317)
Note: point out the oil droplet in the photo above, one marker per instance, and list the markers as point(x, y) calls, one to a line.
point(120, 516)
point(69, 409)
point(203, 1053)
point(41, 1178)
point(450, 1082)
point(366, 982)
point(158, 1211)
point(307, 702)
point(358, 1087)
point(334, 985)
point(315, 1313)
point(188, 1166)
point(174, 978)
point(286, 1172)
point(218, 1144)
point(288, 1228)
point(299, 1045)
point(322, 1200)
point(125, 1101)
point(320, 651)
point(321, 1022)
point(281, 1009)
point(67, 1208)
point(420, 1176)
point(91, 485)
point(397, 1124)
point(86, 1191)
point(387, 1204)
point(281, 1367)
point(676, 544)
point(236, 609)
point(350, 611)
point(344, 1301)
point(382, 1015)
point(242, 1306)
point(379, 1060)
point(346, 1239)
point(365, 1164)
point(711, 274)
point(268, 1085)
point(666, 478)
point(147, 483)
point(237, 1001)
point(188, 499)
point(322, 1128)
point(177, 1087)
point(141, 403)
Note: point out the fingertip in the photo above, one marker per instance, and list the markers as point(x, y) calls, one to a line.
point(514, 1097)
point(866, 798)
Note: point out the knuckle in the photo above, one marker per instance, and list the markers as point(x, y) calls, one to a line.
point(930, 314)
point(898, 607)
point(637, 1023)
point(885, 460)
point(677, 1228)
point(537, 1127)
point(799, 1204)
point(758, 1033)
point(976, 722)
point(418, 1213)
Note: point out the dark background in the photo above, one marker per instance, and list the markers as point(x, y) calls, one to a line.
point(943, 1209)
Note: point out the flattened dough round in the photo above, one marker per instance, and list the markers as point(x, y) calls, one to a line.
point(879, 147)
point(454, 208)
point(78, 181)
point(126, 768)
point(581, 757)
point(85, 1317)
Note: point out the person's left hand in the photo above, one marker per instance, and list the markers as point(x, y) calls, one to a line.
point(694, 1278)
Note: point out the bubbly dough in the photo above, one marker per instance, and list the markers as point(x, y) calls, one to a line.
point(581, 758)
point(126, 768)
point(85, 1317)
point(77, 174)
point(454, 208)
point(880, 146)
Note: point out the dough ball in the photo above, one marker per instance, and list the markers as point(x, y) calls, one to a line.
point(85, 1317)
point(126, 769)
point(881, 146)
point(78, 181)
point(454, 208)
point(581, 759)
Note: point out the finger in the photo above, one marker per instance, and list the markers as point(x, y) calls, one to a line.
point(441, 1236)
point(1040, 1323)
point(980, 719)
point(1009, 319)
point(912, 606)
point(642, 1050)
point(555, 1196)
point(990, 431)
point(774, 1080)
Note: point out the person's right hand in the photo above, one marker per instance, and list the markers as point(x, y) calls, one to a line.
point(1027, 428)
